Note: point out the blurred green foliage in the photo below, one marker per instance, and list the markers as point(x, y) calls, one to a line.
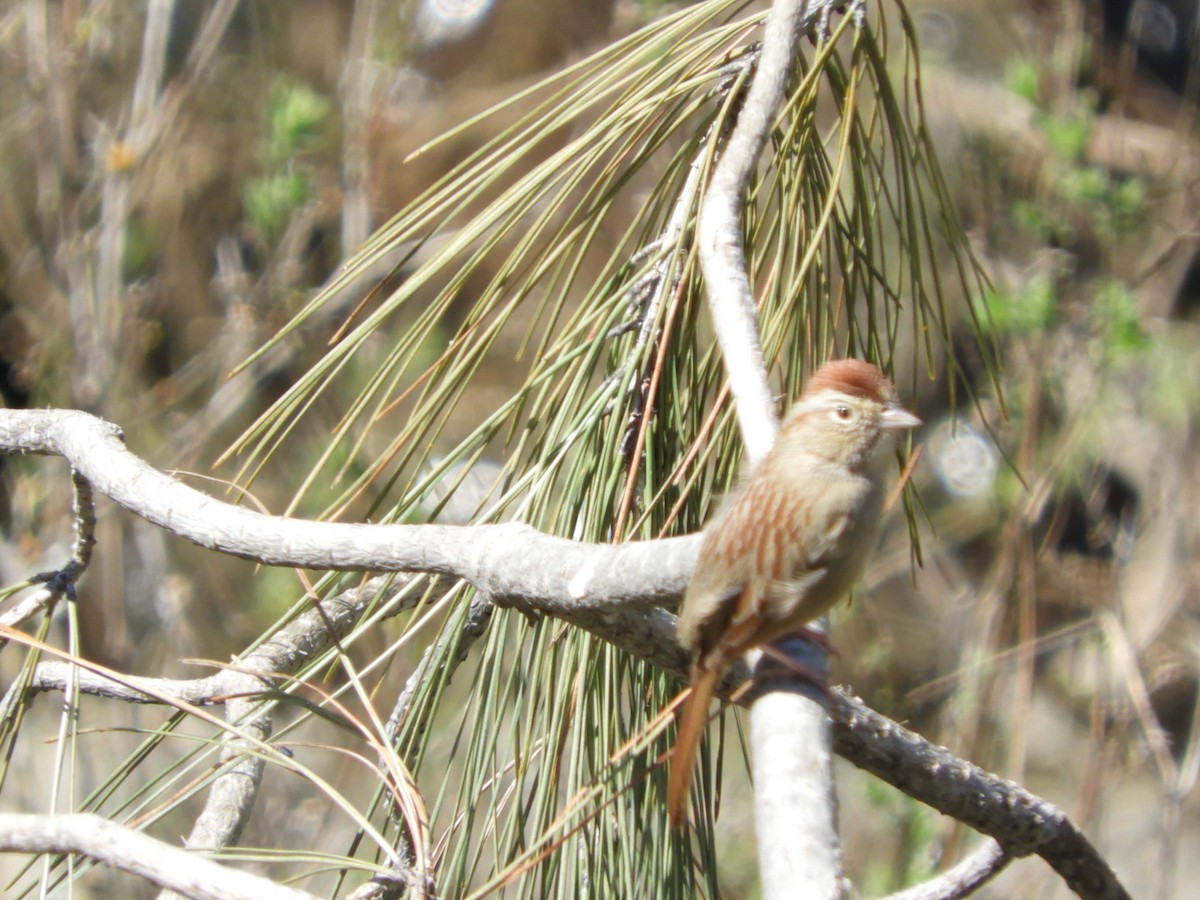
point(1023, 78)
point(296, 118)
point(916, 828)
point(296, 115)
point(1115, 320)
point(1024, 311)
point(271, 200)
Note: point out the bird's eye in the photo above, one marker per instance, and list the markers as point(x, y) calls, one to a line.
point(843, 413)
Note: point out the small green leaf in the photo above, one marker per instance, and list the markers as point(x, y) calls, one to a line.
point(142, 247)
point(295, 115)
point(1021, 76)
point(1029, 217)
point(1022, 312)
point(271, 200)
point(1115, 315)
point(1068, 135)
point(1084, 185)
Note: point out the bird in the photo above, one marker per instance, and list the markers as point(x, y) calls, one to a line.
point(791, 541)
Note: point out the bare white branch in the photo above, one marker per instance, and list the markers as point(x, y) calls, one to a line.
point(579, 582)
point(790, 731)
point(964, 879)
point(355, 91)
point(795, 804)
point(719, 231)
point(138, 854)
point(286, 652)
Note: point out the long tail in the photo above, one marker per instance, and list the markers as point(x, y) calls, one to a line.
point(691, 729)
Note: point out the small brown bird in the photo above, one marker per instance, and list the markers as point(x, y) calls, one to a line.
point(792, 541)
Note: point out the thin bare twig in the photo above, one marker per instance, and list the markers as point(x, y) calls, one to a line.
point(62, 582)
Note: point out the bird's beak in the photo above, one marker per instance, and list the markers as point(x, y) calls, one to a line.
point(896, 417)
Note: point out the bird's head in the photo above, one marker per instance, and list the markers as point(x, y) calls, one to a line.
point(847, 410)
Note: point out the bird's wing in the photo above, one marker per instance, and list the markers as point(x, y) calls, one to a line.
point(804, 583)
point(752, 553)
point(825, 546)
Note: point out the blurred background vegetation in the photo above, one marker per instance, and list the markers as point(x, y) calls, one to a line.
point(181, 180)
